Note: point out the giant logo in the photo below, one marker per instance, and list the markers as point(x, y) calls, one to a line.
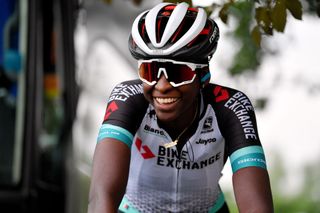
point(220, 93)
point(144, 150)
point(111, 108)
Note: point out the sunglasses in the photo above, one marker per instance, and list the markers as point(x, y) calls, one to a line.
point(176, 72)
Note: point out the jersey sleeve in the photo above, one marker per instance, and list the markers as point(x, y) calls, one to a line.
point(124, 113)
point(237, 123)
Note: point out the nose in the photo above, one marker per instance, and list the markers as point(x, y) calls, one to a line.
point(163, 84)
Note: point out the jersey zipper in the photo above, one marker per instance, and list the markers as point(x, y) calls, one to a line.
point(177, 185)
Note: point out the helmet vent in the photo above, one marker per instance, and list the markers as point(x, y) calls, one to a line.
point(174, 31)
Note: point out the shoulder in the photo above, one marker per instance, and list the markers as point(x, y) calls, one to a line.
point(126, 100)
point(216, 94)
point(125, 90)
point(125, 110)
point(235, 114)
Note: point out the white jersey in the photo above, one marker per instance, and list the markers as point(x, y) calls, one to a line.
point(167, 180)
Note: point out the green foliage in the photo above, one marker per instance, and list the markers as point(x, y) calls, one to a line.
point(305, 200)
point(279, 16)
point(248, 56)
point(295, 7)
point(223, 13)
point(314, 6)
point(107, 1)
point(177, 1)
point(255, 19)
point(263, 19)
point(136, 2)
point(272, 15)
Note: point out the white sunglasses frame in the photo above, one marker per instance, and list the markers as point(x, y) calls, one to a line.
point(193, 67)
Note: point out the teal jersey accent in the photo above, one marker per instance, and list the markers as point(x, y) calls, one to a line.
point(127, 207)
point(116, 132)
point(219, 203)
point(248, 156)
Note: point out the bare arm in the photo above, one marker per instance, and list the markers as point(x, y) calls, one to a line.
point(109, 176)
point(252, 190)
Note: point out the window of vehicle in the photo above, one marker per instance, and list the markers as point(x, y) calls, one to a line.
point(13, 37)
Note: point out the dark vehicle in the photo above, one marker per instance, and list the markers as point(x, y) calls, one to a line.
point(38, 97)
point(48, 128)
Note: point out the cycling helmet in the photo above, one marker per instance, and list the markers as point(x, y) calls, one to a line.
point(174, 31)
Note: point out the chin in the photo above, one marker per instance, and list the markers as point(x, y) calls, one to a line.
point(165, 117)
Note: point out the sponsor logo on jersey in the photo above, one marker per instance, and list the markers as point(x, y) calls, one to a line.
point(152, 114)
point(123, 91)
point(241, 106)
point(206, 141)
point(207, 125)
point(170, 158)
point(144, 150)
point(220, 93)
point(111, 108)
point(153, 131)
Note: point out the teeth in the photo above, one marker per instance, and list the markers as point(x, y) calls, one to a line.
point(166, 100)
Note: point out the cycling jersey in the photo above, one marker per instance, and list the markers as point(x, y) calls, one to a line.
point(187, 180)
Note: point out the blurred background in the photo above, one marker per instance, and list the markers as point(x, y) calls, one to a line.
point(59, 61)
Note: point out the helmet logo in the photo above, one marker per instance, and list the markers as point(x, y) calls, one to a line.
point(157, 51)
point(213, 36)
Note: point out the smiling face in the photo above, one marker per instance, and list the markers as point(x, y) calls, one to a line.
point(173, 104)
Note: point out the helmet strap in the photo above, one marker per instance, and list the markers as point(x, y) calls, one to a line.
point(204, 77)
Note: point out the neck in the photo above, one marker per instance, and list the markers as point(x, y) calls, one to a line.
point(177, 129)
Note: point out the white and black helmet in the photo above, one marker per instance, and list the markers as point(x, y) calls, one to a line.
point(174, 31)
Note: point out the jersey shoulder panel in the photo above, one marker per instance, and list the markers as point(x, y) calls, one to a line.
point(237, 122)
point(235, 114)
point(125, 110)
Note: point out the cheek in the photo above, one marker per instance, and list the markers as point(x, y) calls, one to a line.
point(147, 92)
point(192, 90)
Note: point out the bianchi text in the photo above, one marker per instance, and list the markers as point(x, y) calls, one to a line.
point(151, 130)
